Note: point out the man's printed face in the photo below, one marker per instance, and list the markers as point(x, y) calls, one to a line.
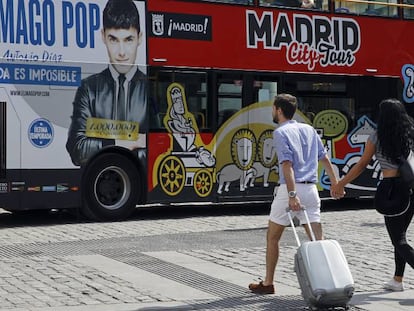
point(122, 46)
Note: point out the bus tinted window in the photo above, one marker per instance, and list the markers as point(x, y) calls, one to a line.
point(368, 8)
point(229, 97)
point(232, 1)
point(408, 11)
point(194, 84)
point(316, 96)
point(264, 90)
point(305, 4)
point(310, 106)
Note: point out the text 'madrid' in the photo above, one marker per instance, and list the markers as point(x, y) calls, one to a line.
point(308, 40)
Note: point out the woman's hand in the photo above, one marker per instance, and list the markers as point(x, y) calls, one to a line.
point(337, 191)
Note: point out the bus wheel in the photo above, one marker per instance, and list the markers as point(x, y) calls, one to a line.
point(111, 188)
point(171, 175)
point(203, 183)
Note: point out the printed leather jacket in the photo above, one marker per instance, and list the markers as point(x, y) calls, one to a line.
point(95, 98)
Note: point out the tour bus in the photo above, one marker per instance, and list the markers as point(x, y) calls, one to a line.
point(171, 102)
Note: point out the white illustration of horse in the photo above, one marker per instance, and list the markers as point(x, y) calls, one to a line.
point(361, 133)
point(360, 137)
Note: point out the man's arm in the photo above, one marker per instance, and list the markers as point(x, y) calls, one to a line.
point(327, 165)
point(294, 202)
point(79, 146)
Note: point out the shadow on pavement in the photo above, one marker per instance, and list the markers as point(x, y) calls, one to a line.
point(191, 210)
point(39, 218)
point(159, 212)
point(247, 302)
point(71, 216)
point(407, 302)
point(382, 296)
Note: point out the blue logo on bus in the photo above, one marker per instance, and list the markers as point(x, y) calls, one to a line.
point(408, 76)
point(40, 133)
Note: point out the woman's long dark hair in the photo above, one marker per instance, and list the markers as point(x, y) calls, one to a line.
point(395, 130)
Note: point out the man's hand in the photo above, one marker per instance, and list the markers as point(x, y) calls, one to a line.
point(337, 191)
point(141, 142)
point(294, 204)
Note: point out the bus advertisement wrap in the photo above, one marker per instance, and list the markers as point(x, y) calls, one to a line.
point(113, 104)
point(73, 81)
point(52, 54)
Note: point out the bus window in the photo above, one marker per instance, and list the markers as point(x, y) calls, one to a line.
point(194, 84)
point(232, 1)
point(367, 8)
point(316, 96)
point(264, 90)
point(229, 97)
point(310, 106)
point(379, 9)
point(304, 4)
point(408, 11)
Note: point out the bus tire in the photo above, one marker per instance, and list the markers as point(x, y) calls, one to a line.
point(111, 188)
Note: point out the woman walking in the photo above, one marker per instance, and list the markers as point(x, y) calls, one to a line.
point(394, 138)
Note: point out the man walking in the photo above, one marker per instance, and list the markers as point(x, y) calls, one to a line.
point(299, 149)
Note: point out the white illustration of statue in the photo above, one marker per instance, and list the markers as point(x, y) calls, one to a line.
point(181, 127)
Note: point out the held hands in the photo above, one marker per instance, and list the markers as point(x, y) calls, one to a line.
point(337, 191)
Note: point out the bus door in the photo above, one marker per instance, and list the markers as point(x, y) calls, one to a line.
point(234, 142)
point(11, 185)
point(246, 161)
point(181, 144)
point(3, 125)
point(262, 174)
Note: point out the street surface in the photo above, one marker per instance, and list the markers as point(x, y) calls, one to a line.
point(182, 258)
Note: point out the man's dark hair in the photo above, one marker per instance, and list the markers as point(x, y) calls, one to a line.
point(121, 14)
point(287, 103)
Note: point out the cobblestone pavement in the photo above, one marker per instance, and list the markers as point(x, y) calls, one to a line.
point(38, 269)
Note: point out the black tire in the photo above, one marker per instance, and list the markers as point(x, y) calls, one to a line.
point(111, 188)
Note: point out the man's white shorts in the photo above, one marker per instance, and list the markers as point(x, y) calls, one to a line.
point(309, 198)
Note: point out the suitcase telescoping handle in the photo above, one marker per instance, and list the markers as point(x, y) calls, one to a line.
point(289, 212)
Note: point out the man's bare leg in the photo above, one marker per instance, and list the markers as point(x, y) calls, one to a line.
point(317, 230)
point(274, 233)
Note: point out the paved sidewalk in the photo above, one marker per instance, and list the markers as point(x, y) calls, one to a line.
point(95, 266)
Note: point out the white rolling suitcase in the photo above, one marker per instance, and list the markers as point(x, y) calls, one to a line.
point(323, 273)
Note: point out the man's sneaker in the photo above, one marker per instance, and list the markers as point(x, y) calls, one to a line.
point(259, 288)
point(394, 285)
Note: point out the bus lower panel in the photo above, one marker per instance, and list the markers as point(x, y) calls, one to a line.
point(233, 195)
point(40, 189)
